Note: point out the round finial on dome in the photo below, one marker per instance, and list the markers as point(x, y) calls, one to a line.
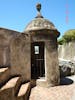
point(38, 7)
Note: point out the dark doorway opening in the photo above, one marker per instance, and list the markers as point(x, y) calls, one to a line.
point(37, 60)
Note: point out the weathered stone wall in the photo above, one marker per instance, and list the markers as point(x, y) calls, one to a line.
point(52, 74)
point(67, 51)
point(52, 69)
point(4, 56)
point(5, 40)
point(20, 56)
point(15, 53)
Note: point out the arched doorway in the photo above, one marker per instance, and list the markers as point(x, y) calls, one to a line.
point(37, 60)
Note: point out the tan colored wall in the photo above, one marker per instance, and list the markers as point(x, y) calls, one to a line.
point(4, 56)
point(51, 69)
point(67, 51)
point(20, 56)
point(15, 49)
point(15, 53)
point(5, 38)
point(52, 73)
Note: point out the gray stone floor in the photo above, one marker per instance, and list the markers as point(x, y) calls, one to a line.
point(61, 92)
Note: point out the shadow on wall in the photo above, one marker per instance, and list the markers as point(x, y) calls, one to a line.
point(65, 81)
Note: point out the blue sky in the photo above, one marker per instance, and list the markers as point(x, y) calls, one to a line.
point(16, 14)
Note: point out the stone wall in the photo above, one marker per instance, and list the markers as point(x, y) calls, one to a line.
point(67, 51)
point(52, 69)
point(52, 74)
point(15, 52)
point(5, 39)
point(4, 56)
point(20, 56)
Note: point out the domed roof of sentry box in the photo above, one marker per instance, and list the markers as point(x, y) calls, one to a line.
point(39, 23)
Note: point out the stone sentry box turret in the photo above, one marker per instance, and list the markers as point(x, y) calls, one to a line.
point(44, 54)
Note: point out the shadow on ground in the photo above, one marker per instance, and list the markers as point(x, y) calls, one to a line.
point(65, 81)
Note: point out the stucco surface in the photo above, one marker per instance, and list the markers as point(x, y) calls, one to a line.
point(52, 74)
point(5, 40)
point(67, 51)
point(20, 56)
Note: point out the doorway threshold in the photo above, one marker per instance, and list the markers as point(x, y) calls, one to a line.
point(41, 82)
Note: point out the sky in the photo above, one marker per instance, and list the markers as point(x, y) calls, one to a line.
point(16, 14)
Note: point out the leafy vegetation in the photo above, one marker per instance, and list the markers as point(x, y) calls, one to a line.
point(61, 41)
point(67, 37)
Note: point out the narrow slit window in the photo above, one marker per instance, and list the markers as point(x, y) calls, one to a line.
point(36, 48)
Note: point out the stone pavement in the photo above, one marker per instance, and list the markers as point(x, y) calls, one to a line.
point(62, 92)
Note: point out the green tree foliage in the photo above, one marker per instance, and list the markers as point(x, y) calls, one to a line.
point(67, 37)
point(61, 41)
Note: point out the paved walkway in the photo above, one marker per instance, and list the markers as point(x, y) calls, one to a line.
point(62, 92)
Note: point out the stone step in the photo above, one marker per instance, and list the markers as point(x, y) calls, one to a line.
point(4, 75)
point(24, 91)
point(42, 82)
point(10, 89)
